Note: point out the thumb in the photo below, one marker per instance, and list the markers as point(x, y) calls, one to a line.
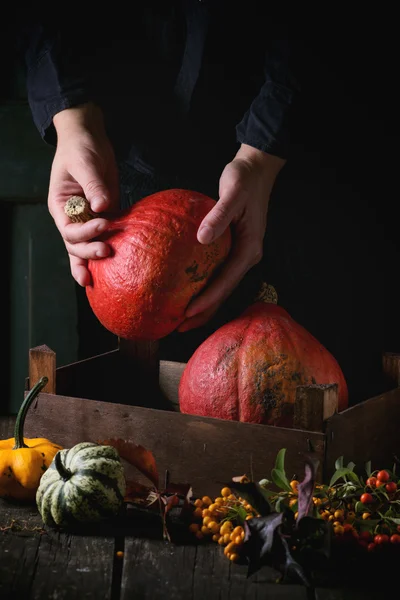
point(90, 178)
point(218, 219)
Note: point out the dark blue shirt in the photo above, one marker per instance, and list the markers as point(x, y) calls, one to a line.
point(181, 84)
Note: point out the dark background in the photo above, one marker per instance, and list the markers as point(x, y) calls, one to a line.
point(331, 248)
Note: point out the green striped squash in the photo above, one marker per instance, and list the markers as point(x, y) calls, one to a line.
point(83, 484)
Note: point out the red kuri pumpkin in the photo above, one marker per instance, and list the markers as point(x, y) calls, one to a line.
point(156, 265)
point(248, 369)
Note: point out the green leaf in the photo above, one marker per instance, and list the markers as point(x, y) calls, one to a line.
point(354, 477)
point(280, 461)
point(264, 482)
point(366, 524)
point(351, 466)
point(278, 503)
point(368, 469)
point(396, 521)
point(359, 507)
point(339, 463)
point(280, 480)
point(339, 473)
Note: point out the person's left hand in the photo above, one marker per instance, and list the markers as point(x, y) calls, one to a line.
point(244, 191)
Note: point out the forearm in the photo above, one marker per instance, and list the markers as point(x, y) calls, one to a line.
point(268, 164)
point(86, 117)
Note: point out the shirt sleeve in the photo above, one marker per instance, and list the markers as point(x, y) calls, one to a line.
point(266, 124)
point(55, 77)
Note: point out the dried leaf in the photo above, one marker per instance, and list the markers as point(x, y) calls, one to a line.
point(181, 489)
point(136, 493)
point(306, 489)
point(241, 479)
point(170, 502)
point(137, 456)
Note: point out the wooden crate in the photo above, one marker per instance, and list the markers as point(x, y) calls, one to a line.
point(128, 393)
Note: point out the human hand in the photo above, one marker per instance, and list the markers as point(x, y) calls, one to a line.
point(244, 191)
point(83, 165)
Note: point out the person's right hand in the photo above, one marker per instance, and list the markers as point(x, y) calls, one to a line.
point(84, 165)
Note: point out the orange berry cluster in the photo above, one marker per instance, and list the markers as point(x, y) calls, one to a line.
point(220, 519)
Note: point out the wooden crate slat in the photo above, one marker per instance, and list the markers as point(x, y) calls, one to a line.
point(204, 452)
point(169, 378)
point(366, 431)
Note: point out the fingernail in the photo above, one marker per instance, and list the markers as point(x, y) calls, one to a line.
point(97, 204)
point(206, 235)
point(103, 252)
point(101, 227)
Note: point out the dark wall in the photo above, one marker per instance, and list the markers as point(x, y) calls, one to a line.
point(331, 248)
point(332, 243)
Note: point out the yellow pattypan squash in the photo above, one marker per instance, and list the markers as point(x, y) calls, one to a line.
point(22, 460)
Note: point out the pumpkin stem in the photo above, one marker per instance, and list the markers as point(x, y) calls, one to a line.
point(267, 294)
point(20, 420)
point(63, 472)
point(78, 209)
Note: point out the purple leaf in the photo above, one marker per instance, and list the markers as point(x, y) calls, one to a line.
point(306, 489)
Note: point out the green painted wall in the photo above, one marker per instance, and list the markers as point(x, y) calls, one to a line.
point(40, 296)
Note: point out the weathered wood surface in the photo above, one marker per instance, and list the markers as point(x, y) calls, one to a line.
point(170, 376)
point(367, 431)
point(314, 404)
point(42, 362)
point(391, 369)
point(38, 563)
point(204, 452)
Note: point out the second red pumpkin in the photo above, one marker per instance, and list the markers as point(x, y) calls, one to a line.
point(248, 370)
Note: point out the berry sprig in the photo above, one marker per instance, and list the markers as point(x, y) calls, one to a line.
point(221, 520)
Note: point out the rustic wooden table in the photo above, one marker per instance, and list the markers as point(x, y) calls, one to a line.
point(37, 563)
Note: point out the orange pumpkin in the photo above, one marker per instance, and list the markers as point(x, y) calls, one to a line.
point(248, 369)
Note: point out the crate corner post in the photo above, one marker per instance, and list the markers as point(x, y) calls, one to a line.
point(42, 362)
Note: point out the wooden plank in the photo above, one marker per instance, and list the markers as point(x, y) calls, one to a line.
point(18, 552)
point(42, 362)
point(314, 404)
point(391, 369)
point(170, 376)
point(352, 593)
point(74, 567)
point(367, 431)
point(204, 452)
point(156, 570)
point(52, 564)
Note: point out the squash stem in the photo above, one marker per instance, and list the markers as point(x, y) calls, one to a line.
point(63, 472)
point(20, 420)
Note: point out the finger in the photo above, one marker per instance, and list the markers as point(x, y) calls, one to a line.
point(197, 320)
point(88, 251)
point(80, 271)
point(82, 232)
point(243, 257)
point(94, 187)
point(220, 217)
